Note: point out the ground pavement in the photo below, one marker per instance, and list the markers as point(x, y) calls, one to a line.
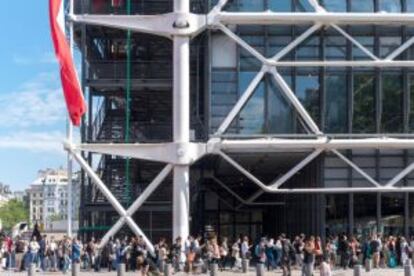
point(349, 272)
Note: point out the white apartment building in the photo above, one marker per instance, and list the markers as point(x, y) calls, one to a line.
point(48, 199)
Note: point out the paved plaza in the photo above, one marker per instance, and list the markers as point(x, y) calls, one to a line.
point(349, 272)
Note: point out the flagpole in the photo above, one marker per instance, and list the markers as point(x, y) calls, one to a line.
point(69, 133)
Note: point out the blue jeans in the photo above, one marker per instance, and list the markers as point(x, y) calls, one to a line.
point(33, 257)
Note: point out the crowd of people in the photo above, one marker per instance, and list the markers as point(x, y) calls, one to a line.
point(196, 254)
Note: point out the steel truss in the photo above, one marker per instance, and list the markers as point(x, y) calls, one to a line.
point(181, 26)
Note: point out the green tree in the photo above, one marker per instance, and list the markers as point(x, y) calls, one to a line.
point(12, 212)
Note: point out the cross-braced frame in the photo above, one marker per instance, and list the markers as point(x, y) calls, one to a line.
point(181, 26)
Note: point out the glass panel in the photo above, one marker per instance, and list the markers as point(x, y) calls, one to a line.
point(252, 115)
point(412, 103)
point(392, 103)
point(304, 6)
point(362, 5)
point(334, 5)
point(368, 43)
point(389, 44)
point(410, 5)
point(309, 50)
point(392, 217)
point(280, 5)
point(307, 90)
point(280, 112)
point(364, 103)
point(390, 5)
point(248, 5)
point(411, 213)
point(336, 214)
point(335, 48)
point(365, 210)
point(336, 103)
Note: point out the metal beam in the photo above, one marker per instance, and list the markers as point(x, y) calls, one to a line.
point(240, 199)
point(310, 18)
point(167, 152)
point(275, 145)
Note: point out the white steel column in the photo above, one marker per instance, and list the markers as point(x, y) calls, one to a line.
point(181, 123)
point(69, 137)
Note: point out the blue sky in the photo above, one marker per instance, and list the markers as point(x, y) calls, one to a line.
point(32, 110)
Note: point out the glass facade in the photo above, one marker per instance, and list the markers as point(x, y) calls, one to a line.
point(342, 101)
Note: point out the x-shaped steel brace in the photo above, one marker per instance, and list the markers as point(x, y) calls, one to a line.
point(126, 215)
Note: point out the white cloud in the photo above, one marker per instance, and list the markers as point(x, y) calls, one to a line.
point(50, 142)
point(38, 102)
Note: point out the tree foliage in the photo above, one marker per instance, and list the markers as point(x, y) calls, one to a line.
point(12, 212)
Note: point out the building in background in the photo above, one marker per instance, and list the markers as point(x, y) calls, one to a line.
point(48, 200)
point(130, 100)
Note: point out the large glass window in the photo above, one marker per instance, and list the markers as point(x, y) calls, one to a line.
point(309, 49)
point(410, 5)
point(364, 103)
point(307, 90)
point(362, 5)
point(390, 5)
point(336, 103)
point(335, 48)
point(411, 103)
point(247, 5)
point(252, 115)
point(388, 44)
point(365, 214)
point(334, 5)
point(280, 5)
point(392, 103)
point(336, 214)
point(304, 6)
point(392, 217)
point(368, 43)
point(280, 112)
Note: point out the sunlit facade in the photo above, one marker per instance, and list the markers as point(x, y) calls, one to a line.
point(345, 102)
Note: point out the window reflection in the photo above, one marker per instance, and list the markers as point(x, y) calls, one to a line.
point(410, 5)
point(336, 214)
point(392, 217)
point(280, 112)
point(280, 5)
point(368, 43)
point(388, 44)
point(335, 48)
point(336, 103)
point(334, 5)
point(411, 77)
point(365, 210)
point(362, 5)
point(364, 103)
point(390, 5)
point(307, 90)
point(392, 103)
point(304, 6)
point(252, 115)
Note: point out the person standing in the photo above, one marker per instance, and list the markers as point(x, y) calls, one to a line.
point(33, 250)
point(19, 252)
point(270, 258)
point(287, 252)
point(375, 251)
point(52, 254)
point(224, 251)
point(235, 254)
point(309, 257)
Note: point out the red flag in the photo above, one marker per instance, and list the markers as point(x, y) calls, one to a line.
point(70, 83)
